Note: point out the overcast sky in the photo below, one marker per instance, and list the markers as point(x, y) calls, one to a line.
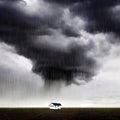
point(59, 51)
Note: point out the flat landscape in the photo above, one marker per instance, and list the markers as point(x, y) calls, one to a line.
point(63, 114)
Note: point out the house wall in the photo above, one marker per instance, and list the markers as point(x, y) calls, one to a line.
point(55, 107)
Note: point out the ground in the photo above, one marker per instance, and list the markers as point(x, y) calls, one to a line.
point(63, 114)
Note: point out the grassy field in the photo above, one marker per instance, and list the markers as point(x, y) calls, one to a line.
point(63, 114)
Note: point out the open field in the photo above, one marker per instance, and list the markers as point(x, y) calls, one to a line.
point(63, 114)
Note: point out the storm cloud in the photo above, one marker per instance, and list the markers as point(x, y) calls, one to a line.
point(98, 13)
point(50, 40)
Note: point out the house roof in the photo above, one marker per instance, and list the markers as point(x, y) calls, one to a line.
point(57, 104)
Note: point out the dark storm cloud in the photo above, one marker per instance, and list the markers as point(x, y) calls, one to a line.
point(96, 12)
point(12, 1)
point(64, 2)
point(57, 65)
point(99, 17)
point(21, 30)
point(70, 32)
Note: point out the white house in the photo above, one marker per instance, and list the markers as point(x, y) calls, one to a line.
point(55, 106)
